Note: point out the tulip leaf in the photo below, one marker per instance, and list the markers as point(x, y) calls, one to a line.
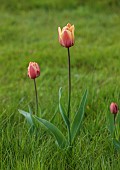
point(54, 130)
point(116, 144)
point(27, 116)
point(78, 117)
point(62, 111)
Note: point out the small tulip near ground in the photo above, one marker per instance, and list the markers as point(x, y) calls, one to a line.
point(33, 70)
point(33, 73)
point(114, 125)
point(114, 109)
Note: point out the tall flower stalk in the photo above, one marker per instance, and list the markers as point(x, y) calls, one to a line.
point(36, 96)
point(66, 39)
point(69, 84)
point(69, 96)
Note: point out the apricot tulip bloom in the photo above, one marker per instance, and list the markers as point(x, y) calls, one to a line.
point(33, 70)
point(66, 35)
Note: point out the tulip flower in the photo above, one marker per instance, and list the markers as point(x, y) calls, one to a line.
point(34, 72)
point(114, 109)
point(66, 35)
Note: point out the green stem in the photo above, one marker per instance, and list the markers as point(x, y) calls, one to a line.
point(69, 96)
point(114, 118)
point(69, 136)
point(69, 84)
point(36, 96)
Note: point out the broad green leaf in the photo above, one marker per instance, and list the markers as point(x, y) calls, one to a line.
point(27, 116)
point(55, 131)
point(62, 111)
point(78, 117)
point(116, 144)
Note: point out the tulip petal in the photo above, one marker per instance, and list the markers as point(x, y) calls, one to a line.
point(59, 35)
point(72, 29)
point(66, 38)
point(69, 25)
point(32, 72)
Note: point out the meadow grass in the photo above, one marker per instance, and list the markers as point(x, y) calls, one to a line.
point(31, 35)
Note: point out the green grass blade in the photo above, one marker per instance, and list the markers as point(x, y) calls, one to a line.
point(78, 117)
point(27, 116)
point(62, 111)
point(55, 131)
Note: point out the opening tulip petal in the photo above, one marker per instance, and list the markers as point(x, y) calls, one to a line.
point(59, 32)
point(69, 25)
point(72, 29)
point(67, 38)
point(32, 73)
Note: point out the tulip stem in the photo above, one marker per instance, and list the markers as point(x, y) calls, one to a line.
point(69, 95)
point(36, 96)
point(69, 83)
point(114, 118)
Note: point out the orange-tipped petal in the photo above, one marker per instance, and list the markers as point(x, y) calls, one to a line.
point(59, 31)
point(73, 37)
point(69, 25)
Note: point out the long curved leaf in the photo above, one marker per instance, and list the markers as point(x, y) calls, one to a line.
point(62, 111)
point(78, 117)
point(55, 131)
point(27, 116)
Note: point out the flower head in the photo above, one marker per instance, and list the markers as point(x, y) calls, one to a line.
point(33, 70)
point(66, 35)
point(114, 108)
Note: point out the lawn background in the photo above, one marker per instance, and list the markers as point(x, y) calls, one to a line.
point(28, 32)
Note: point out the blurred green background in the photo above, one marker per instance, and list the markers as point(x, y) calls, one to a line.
point(54, 4)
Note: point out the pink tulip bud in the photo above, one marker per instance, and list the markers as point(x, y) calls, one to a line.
point(66, 35)
point(33, 70)
point(114, 108)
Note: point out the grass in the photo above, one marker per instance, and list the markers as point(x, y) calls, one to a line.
point(31, 35)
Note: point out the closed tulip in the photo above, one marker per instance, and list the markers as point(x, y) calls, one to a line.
point(66, 35)
point(33, 70)
point(114, 108)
